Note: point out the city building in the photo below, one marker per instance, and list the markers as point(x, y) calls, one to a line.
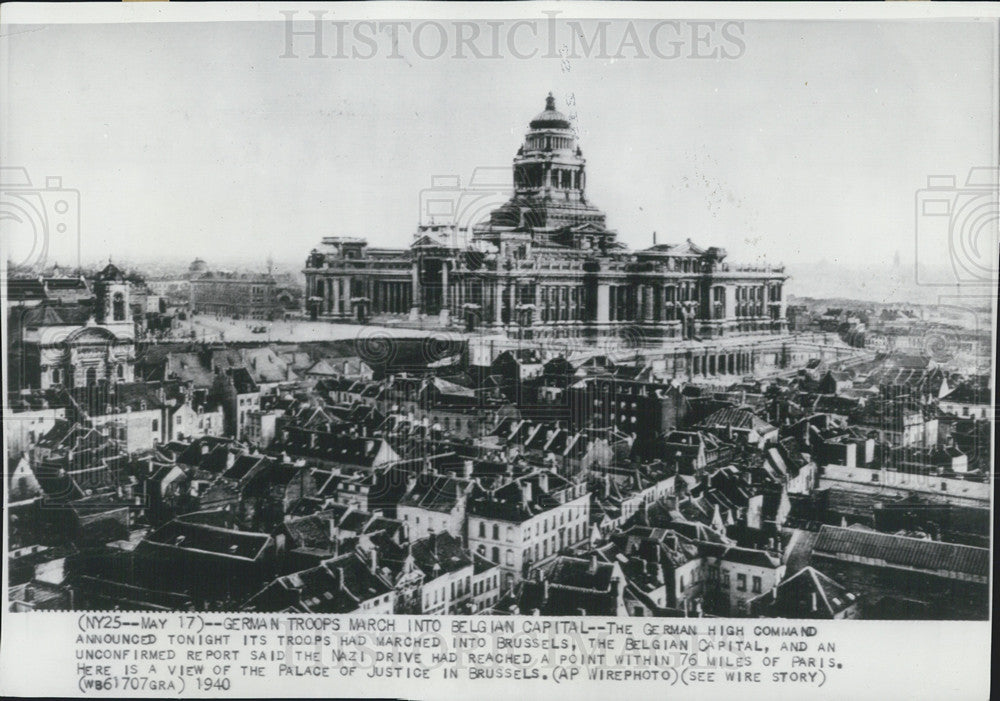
point(546, 261)
point(527, 521)
point(435, 503)
point(236, 295)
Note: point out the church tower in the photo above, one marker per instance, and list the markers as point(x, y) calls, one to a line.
point(112, 297)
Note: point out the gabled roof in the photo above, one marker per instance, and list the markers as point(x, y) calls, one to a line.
point(323, 368)
point(436, 492)
point(570, 585)
point(754, 558)
point(439, 553)
point(338, 585)
point(56, 315)
point(450, 388)
point(243, 381)
point(795, 597)
point(967, 394)
point(738, 418)
point(209, 539)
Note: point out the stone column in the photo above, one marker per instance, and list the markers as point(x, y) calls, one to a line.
point(602, 304)
point(335, 295)
point(415, 288)
point(444, 284)
point(536, 315)
point(497, 303)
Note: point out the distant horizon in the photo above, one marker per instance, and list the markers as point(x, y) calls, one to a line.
point(801, 285)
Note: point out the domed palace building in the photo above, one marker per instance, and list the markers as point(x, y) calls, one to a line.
point(544, 264)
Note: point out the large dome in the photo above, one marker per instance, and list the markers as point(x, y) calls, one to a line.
point(551, 118)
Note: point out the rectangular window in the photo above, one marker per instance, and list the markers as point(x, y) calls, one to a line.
point(741, 582)
point(756, 585)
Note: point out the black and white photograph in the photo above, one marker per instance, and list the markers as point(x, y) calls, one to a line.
point(330, 326)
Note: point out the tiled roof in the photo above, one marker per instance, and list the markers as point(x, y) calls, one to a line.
point(902, 551)
point(738, 418)
point(25, 289)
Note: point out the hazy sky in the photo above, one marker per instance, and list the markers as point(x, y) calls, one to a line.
point(192, 140)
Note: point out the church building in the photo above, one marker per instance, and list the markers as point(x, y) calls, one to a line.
point(76, 345)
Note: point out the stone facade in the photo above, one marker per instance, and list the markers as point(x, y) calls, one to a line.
point(76, 346)
point(544, 264)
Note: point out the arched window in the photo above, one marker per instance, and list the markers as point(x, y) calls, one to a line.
point(482, 529)
point(120, 370)
point(91, 376)
point(510, 557)
point(118, 307)
point(496, 532)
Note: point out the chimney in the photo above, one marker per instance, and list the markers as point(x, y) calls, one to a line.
point(467, 469)
point(526, 489)
point(593, 564)
point(543, 480)
point(814, 602)
point(374, 562)
point(204, 448)
point(230, 459)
